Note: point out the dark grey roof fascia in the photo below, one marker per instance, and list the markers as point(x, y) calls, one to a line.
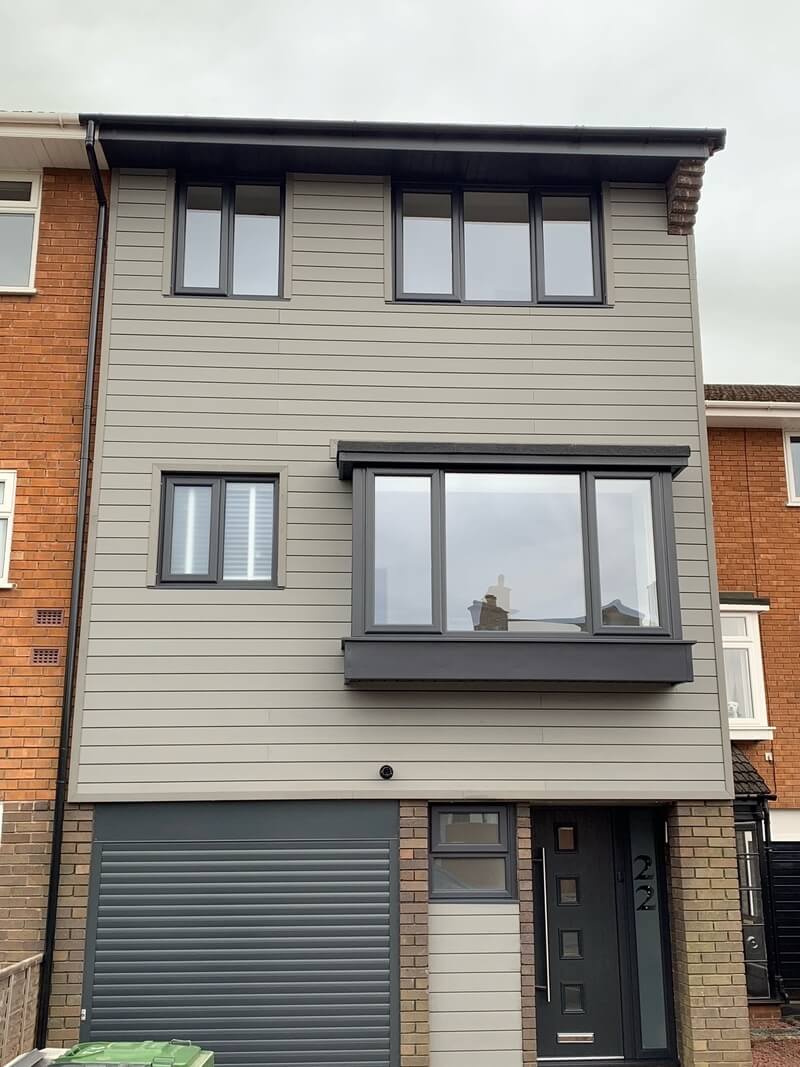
point(352, 454)
point(743, 599)
point(446, 136)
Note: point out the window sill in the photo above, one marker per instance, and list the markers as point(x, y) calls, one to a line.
point(8, 585)
point(756, 732)
point(17, 292)
point(385, 659)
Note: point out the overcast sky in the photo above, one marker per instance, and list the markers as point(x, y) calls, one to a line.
point(590, 62)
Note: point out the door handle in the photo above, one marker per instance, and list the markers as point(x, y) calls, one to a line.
point(542, 859)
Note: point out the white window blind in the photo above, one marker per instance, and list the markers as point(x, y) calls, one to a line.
point(247, 552)
point(191, 529)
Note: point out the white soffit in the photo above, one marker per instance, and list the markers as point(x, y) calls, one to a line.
point(759, 415)
point(32, 140)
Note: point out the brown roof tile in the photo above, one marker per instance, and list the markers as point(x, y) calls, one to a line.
point(758, 394)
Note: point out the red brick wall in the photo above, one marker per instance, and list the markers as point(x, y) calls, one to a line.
point(43, 356)
point(758, 551)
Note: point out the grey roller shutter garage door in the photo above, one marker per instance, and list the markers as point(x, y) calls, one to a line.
point(270, 952)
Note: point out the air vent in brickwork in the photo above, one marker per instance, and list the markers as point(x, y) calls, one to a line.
point(49, 616)
point(45, 657)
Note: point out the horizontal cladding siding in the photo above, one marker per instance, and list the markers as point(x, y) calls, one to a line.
point(238, 692)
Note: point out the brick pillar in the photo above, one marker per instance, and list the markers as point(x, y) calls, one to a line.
point(525, 887)
point(65, 997)
point(27, 828)
point(708, 957)
point(414, 1021)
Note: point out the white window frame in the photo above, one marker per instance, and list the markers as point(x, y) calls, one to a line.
point(17, 207)
point(757, 728)
point(792, 498)
point(9, 481)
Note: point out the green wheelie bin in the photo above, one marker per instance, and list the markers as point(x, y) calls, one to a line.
point(175, 1053)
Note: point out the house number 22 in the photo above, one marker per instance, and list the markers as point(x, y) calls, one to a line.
point(643, 893)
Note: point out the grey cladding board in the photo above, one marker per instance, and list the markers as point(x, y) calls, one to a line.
point(278, 384)
point(266, 950)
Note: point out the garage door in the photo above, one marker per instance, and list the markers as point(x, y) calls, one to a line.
point(786, 890)
point(261, 931)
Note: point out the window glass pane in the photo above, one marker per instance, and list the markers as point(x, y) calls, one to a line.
point(627, 554)
point(497, 246)
point(256, 240)
point(469, 828)
point(16, 249)
point(427, 243)
point(737, 683)
point(469, 874)
point(567, 241)
point(794, 451)
point(569, 944)
point(514, 553)
point(567, 890)
point(203, 236)
point(15, 190)
point(3, 538)
point(649, 948)
point(403, 551)
point(2, 493)
point(571, 999)
point(191, 529)
point(249, 518)
point(565, 838)
point(757, 980)
point(734, 625)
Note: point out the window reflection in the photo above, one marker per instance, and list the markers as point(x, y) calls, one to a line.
point(628, 586)
point(427, 243)
point(497, 246)
point(567, 246)
point(514, 553)
point(256, 240)
point(203, 236)
point(402, 551)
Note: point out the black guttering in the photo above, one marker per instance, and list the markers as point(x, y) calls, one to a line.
point(352, 454)
point(67, 699)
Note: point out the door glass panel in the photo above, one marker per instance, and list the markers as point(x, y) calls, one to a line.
point(565, 839)
point(469, 874)
point(572, 999)
point(628, 588)
point(514, 553)
point(427, 243)
point(569, 945)
point(748, 856)
point(567, 890)
point(737, 683)
point(203, 236)
point(16, 249)
point(757, 976)
point(256, 240)
point(647, 926)
point(469, 828)
point(734, 625)
point(567, 246)
point(497, 246)
point(249, 527)
point(191, 530)
point(403, 551)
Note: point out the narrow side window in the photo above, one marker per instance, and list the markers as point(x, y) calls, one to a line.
point(8, 487)
point(19, 220)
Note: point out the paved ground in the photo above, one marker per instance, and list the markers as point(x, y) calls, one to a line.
point(779, 1047)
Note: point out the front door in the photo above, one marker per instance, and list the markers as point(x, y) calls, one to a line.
point(579, 1003)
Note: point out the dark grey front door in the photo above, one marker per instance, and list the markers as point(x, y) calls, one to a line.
point(579, 998)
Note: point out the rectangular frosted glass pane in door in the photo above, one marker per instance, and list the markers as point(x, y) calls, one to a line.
point(628, 586)
point(514, 553)
point(645, 876)
point(249, 528)
point(737, 683)
point(256, 240)
point(497, 246)
point(16, 249)
point(203, 236)
point(191, 530)
point(567, 246)
point(403, 551)
point(427, 243)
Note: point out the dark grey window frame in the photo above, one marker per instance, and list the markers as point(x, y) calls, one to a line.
point(228, 213)
point(535, 230)
point(217, 482)
point(505, 849)
point(660, 490)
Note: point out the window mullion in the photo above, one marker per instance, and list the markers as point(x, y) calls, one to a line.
point(226, 238)
point(440, 551)
point(457, 207)
point(217, 535)
point(591, 563)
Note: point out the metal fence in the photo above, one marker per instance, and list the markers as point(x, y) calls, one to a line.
point(19, 985)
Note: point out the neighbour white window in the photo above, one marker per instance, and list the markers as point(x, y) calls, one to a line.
point(744, 672)
point(20, 198)
point(8, 487)
point(792, 442)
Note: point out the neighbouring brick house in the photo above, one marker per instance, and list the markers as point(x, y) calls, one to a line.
point(398, 736)
point(754, 449)
point(48, 217)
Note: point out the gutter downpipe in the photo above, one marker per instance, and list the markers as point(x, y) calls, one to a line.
point(67, 701)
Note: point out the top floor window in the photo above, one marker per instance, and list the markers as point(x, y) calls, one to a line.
point(497, 246)
point(744, 671)
point(19, 220)
point(229, 239)
point(792, 441)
